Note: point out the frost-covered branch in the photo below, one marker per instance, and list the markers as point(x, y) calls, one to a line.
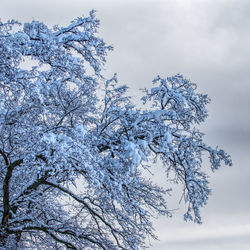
point(75, 149)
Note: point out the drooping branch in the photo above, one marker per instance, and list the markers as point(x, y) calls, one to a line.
point(80, 200)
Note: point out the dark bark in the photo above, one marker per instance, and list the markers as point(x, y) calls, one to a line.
point(6, 201)
point(3, 237)
point(6, 191)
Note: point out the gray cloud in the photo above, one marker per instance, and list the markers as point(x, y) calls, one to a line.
point(229, 243)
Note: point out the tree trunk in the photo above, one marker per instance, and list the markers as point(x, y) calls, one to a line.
point(3, 238)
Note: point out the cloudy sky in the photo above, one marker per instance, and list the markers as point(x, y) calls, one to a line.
point(209, 43)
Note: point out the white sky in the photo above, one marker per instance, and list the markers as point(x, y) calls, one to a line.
point(206, 41)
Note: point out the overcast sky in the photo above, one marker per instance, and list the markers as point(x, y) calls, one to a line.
point(209, 43)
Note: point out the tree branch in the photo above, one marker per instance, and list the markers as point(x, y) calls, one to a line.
point(6, 194)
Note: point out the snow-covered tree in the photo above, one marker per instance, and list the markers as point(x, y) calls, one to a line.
point(74, 149)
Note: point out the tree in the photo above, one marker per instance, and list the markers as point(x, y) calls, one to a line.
point(74, 149)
